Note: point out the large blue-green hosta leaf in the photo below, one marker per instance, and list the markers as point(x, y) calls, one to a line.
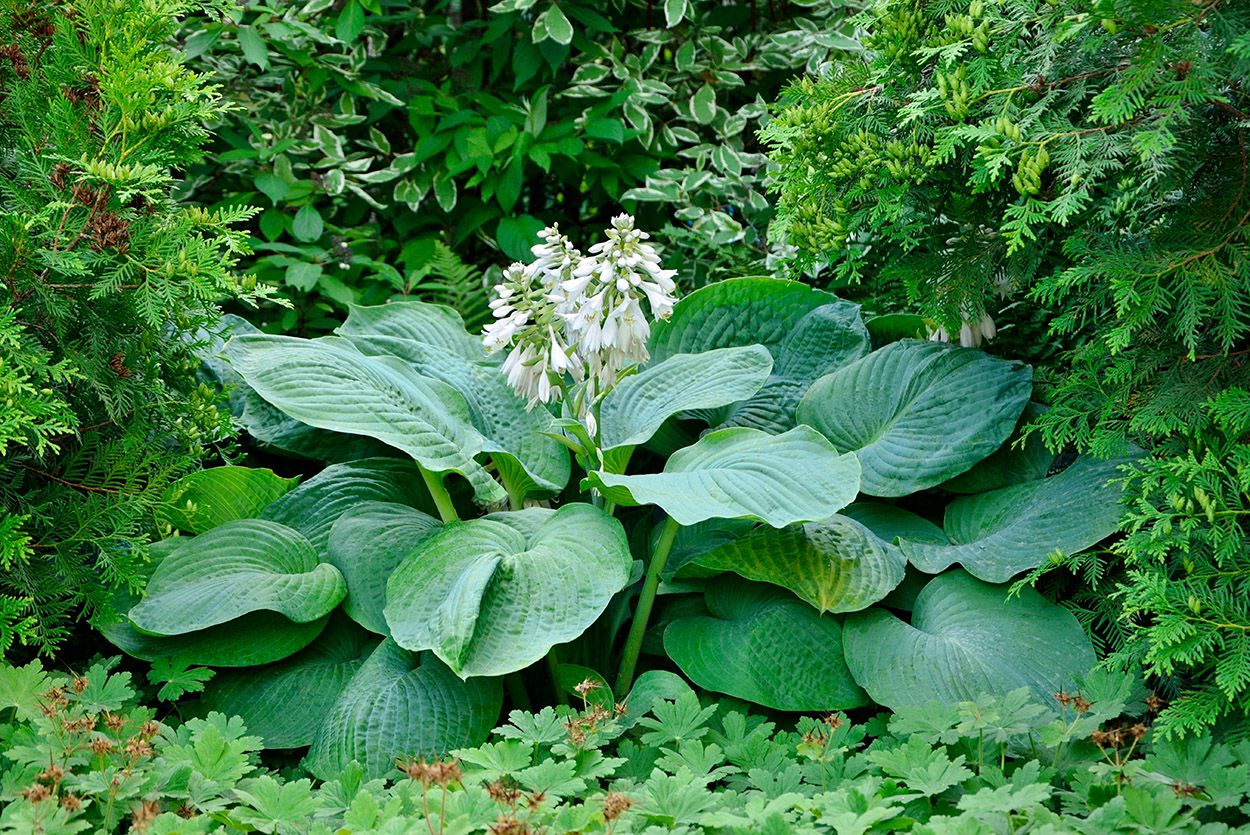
point(237, 568)
point(516, 437)
point(285, 703)
point(330, 384)
point(997, 535)
point(966, 639)
point(744, 473)
point(836, 564)
point(491, 596)
point(401, 704)
point(636, 409)
point(432, 324)
point(808, 332)
point(761, 644)
point(366, 545)
point(314, 506)
point(205, 499)
point(917, 413)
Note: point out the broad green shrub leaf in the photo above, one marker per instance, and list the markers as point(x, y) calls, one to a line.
point(918, 413)
point(762, 645)
point(255, 638)
point(996, 535)
point(432, 324)
point(634, 410)
point(491, 596)
point(966, 639)
point(744, 473)
point(836, 564)
point(329, 384)
point(366, 544)
point(402, 704)
point(314, 506)
point(651, 687)
point(203, 500)
point(694, 540)
point(808, 332)
point(240, 567)
point(1009, 464)
point(285, 703)
point(513, 434)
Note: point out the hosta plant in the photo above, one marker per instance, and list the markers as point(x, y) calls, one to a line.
point(735, 481)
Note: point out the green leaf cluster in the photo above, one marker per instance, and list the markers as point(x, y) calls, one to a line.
point(378, 133)
point(102, 272)
point(83, 755)
point(1073, 171)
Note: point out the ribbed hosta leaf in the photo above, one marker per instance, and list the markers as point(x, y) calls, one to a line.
point(836, 564)
point(997, 535)
point(205, 499)
point(493, 595)
point(432, 324)
point(285, 703)
point(639, 405)
point(314, 506)
point(256, 638)
point(402, 704)
point(763, 645)
point(366, 545)
point(808, 332)
point(1009, 464)
point(966, 639)
point(329, 384)
point(917, 413)
point(744, 473)
point(514, 435)
point(240, 567)
point(269, 427)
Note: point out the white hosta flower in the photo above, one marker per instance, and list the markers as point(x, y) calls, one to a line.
point(971, 334)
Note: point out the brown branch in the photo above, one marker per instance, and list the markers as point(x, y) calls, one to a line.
point(88, 488)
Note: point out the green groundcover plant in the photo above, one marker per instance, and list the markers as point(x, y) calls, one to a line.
point(82, 756)
point(376, 134)
point(741, 488)
point(1070, 175)
point(100, 270)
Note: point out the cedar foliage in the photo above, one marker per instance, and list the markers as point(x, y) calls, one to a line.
point(1087, 160)
point(101, 273)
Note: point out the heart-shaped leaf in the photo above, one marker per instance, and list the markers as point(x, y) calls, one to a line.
point(432, 324)
point(493, 595)
point(285, 703)
point(836, 564)
point(917, 413)
point(530, 461)
point(402, 704)
point(366, 545)
point(966, 639)
point(762, 645)
point(633, 411)
point(314, 506)
point(239, 567)
point(329, 384)
point(744, 473)
point(996, 535)
point(203, 500)
point(808, 332)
